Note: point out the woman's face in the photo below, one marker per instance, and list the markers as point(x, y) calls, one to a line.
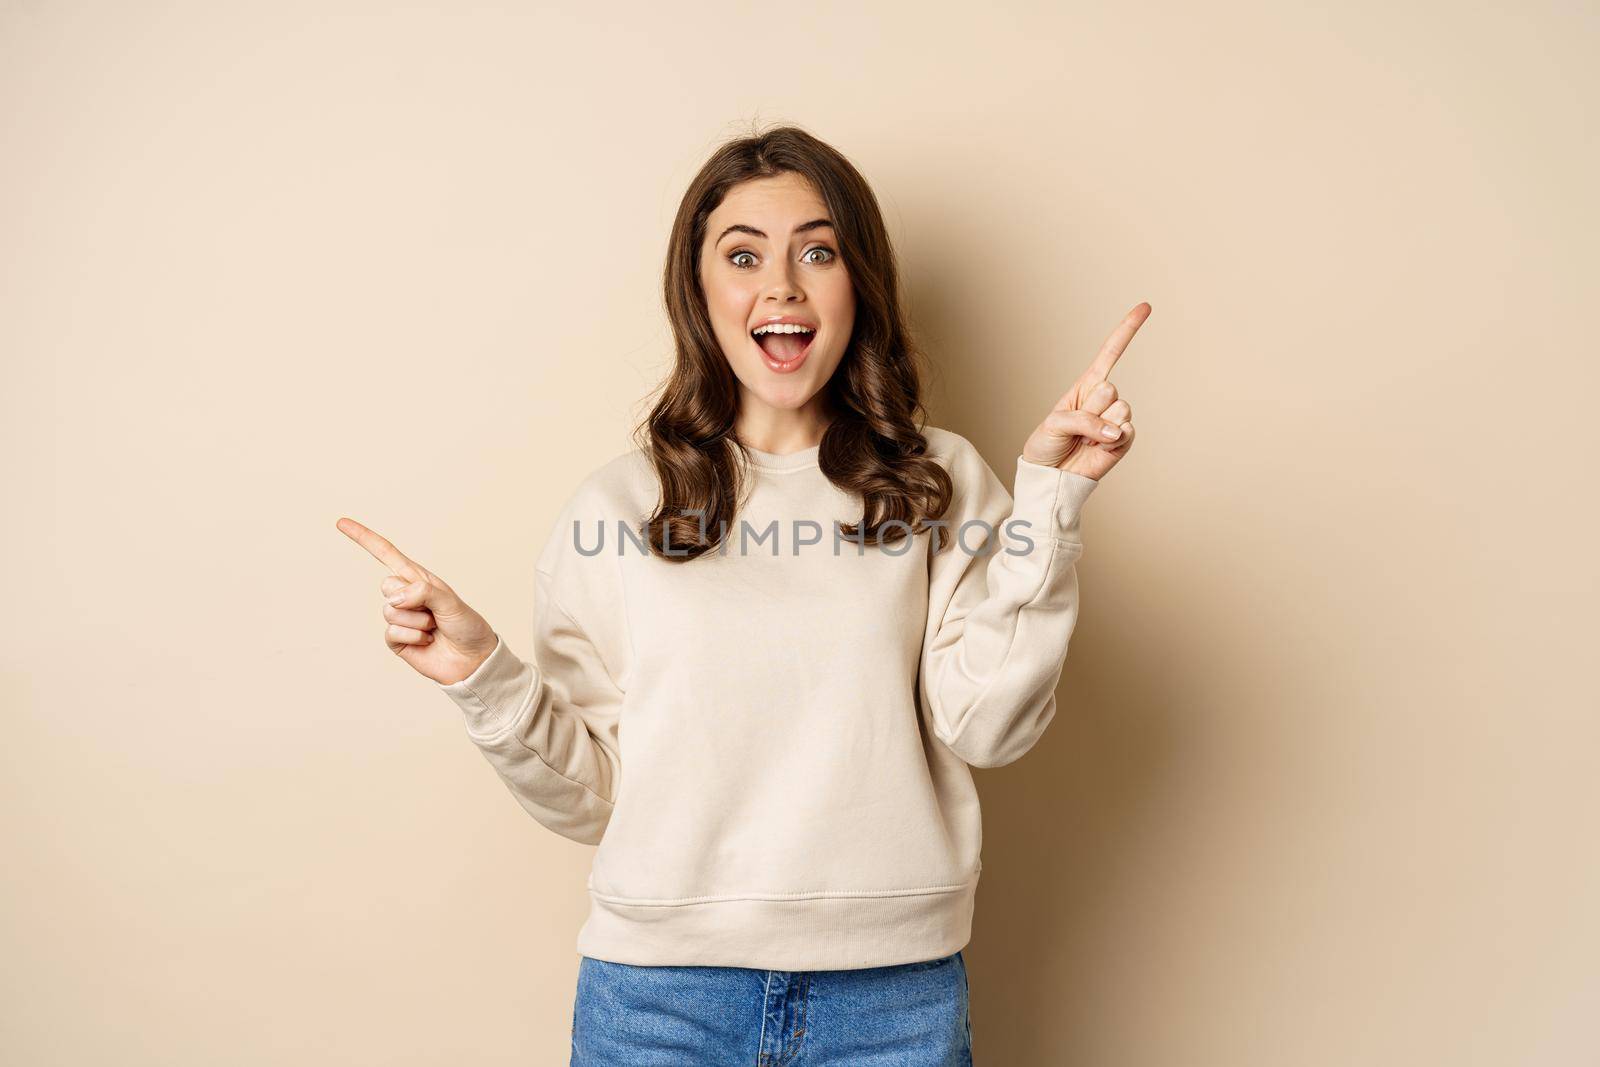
point(769, 254)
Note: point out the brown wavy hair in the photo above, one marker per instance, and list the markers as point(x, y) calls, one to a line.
point(873, 446)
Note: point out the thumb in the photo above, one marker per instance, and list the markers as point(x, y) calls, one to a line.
point(433, 595)
point(1087, 424)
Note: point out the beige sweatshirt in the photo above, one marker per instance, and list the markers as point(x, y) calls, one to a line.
point(797, 710)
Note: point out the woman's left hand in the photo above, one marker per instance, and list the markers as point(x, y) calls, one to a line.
point(1070, 438)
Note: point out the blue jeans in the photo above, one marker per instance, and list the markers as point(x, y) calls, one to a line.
point(906, 1015)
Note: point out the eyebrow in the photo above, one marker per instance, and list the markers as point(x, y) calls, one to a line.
point(740, 227)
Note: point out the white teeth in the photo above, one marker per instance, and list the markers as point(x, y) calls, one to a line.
point(782, 327)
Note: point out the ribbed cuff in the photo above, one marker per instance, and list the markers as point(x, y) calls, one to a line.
point(1050, 499)
point(493, 696)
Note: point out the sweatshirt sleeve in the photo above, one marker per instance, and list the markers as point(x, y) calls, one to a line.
point(1001, 612)
point(549, 726)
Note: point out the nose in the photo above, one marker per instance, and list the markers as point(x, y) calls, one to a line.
point(783, 285)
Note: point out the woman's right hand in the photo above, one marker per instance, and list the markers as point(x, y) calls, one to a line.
point(430, 627)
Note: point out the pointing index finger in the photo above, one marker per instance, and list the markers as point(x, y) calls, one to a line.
point(381, 548)
point(1111, 351)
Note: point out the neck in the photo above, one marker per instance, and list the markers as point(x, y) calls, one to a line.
point(781, 431)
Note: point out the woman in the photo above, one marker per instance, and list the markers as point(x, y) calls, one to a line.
point(802, 615)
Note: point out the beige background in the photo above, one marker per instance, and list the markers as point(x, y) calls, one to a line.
point(1323, 786)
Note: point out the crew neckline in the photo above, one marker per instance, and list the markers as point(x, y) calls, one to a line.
point(784, 461)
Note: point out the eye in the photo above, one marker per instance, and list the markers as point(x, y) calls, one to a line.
point(830, 256)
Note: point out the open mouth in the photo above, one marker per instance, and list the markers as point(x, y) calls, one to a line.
point(784, 350)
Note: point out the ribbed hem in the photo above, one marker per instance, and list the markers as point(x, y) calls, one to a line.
point(784, 461)
point(1051, 500)
point(493, 697)
point(808, 934)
